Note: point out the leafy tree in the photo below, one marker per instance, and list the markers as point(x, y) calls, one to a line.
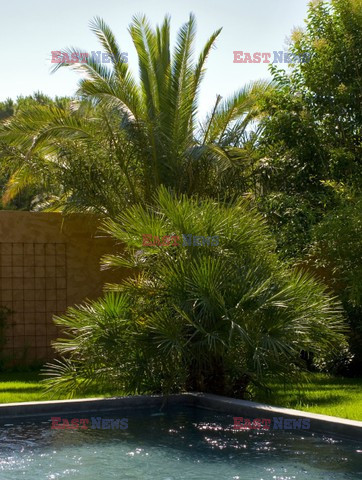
point(23, 191)
point(6, 109)
point(211, 318)
point(336, 253)
point(312, 133)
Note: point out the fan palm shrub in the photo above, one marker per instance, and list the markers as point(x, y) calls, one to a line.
point(147, 128)
point(212, 317)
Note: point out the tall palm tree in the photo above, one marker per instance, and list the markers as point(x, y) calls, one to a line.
point(149, 126)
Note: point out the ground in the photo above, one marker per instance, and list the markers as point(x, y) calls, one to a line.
point(28, 387)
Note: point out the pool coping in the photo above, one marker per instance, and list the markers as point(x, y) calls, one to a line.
point(221, 404)
point(318, 422)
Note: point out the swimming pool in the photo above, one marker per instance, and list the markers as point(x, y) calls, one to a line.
point(181, 443)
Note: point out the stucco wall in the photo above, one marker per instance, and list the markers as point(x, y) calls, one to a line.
point(47, 262)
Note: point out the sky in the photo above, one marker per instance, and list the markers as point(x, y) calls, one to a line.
point(31, 29)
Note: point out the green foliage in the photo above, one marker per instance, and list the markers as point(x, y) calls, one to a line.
point(27, 188)
point(312, 133)
point(6, 109)
point(331, 82)
point(310, 150)
point(332, 76)
point(338, 247)
point(337, 252)
point(211, 318)
point(103, 348)
point(122, 138)
point(291, 219)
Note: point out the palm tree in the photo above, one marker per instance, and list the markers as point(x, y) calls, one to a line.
point(149, 127)
point(211, 318)
point(78, 164)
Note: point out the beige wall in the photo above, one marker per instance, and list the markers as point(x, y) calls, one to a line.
point(47, 261)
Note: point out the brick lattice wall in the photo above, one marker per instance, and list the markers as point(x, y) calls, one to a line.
point(33, 285)
point(47, 262)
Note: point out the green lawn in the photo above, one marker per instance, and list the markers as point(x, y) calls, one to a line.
point(337, 396)
point(27, 387)
point(341, 397)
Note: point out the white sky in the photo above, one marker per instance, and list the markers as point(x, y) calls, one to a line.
point(31, 29)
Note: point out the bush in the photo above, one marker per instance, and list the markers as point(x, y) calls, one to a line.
point(211, 318)
point(337, 253)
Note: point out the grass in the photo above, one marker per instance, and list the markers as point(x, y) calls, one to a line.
point(27, 387)
point(337, 396)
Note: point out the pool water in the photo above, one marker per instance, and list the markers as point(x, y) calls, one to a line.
point(187, 443)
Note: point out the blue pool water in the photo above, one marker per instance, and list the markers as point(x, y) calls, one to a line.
point(180, 444)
